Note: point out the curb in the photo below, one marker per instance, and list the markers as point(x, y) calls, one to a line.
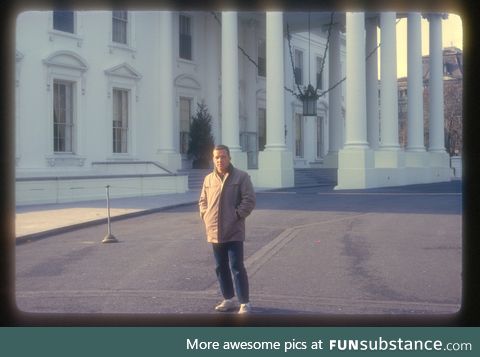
point(29, 238)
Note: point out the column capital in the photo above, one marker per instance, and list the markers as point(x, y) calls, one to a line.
point(433, 15)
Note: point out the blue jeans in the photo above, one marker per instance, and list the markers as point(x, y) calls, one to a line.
point(229, 261)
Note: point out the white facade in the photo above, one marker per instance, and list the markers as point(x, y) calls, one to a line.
point(92, 110)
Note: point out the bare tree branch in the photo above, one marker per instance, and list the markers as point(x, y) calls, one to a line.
point(240, 48)
point(333, 87)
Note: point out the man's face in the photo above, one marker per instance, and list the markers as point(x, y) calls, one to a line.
point(221, 160)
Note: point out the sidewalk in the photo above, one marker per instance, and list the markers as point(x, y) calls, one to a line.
point(40, 220)
point(35, 220)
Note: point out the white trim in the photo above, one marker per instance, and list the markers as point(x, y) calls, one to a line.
point(57, 34)
point(130, 46)
point(71, 67)
point(192, 35)
point(189, 87)
point(77, 110)
point(67, 59)
point(122, 76)
point(187, 81)
point(124, 70)
point(67, 64)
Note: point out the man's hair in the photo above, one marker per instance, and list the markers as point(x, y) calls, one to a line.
point(222, 147)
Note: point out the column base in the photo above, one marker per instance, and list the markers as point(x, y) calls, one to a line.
point(355, 169)
point(170, 160)
point(389, 158)
point(360, 169)
point(275, 169)
point(416, 158)
point(439, 158)
point(440, 169)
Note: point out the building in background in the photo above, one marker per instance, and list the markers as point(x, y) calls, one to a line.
point(106, 98)
point(453, 94)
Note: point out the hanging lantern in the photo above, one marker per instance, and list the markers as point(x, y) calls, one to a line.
point(309, 99)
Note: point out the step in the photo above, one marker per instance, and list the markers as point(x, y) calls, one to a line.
point(315, 177)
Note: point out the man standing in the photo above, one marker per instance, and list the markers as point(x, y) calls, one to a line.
point(227, 198)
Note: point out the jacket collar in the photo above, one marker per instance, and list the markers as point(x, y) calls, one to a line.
point(230, 169)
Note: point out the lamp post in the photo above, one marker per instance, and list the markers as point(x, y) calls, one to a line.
point(109, 238)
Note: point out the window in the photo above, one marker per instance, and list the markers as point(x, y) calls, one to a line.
point(119, 26)
point(262, 128)
point(120, 120)
point(63, 116)
point(298, 135)
point(185, 37)
point(262, 70)
point(185, 115)
point(298, 67)
point(319, 73)
point(319, 137)
point(64, 21)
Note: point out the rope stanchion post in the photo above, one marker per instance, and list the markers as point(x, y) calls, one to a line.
point(109, 238)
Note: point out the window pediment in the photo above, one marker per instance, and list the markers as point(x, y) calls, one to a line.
point(67, 59)
point(187, 81)
point(124, 70)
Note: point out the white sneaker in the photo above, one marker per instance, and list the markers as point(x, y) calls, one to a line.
point(225, 305)
point(245, 308)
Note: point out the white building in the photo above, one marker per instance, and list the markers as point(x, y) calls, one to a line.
point(105, 98)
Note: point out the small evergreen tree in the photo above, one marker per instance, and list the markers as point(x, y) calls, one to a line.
point(200, 141)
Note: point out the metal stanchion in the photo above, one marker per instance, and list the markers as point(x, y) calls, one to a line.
point(109, 238)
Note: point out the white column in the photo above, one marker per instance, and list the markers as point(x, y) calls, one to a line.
point(166, 152)
point(356, 160)
point(230, 81)
point(335, 118)
point(166, 83)
point(436, 120)
point(373, 120)
point(275, 163)
point(388, 89)
point(251, 79)
point(275, 82)
point(415, 138)
point(212, 75)
point(251, 93)
point(356, 112)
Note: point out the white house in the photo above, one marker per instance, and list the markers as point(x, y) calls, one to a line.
point(106, 98)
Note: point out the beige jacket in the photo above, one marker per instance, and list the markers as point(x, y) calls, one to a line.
point(224, 205)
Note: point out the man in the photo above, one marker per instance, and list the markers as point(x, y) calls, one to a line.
point(227, 198)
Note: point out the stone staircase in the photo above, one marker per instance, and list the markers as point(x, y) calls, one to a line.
point(303, 177)
point(195, 177)
point(315, 177)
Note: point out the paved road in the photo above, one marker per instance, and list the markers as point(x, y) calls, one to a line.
point(310, 250)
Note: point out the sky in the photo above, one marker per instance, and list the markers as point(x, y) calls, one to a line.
point(452, 36)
